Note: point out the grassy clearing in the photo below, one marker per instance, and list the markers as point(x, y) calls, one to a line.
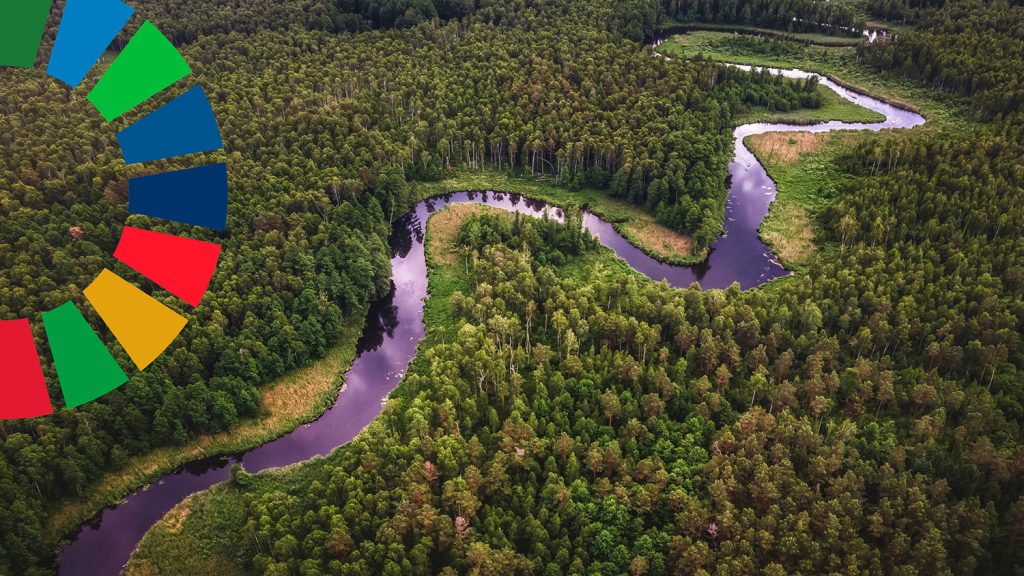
point(803, 167)
point(446, 269)
point(199, 536)
point(839, 63)
point(787, 148)
point(445, 228)
point(660, 239)
point(288, 402)
point(893, 27)
point(834, 107)
point(634, 223)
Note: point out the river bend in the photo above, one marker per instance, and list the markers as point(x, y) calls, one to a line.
point(394, 328)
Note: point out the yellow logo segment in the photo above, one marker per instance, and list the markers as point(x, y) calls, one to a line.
point(143, 326)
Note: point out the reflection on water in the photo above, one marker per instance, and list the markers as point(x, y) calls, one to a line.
point(381, 321)
point(401, 240)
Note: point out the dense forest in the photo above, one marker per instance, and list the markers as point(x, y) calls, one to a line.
point(598, 423)
point(321, 142)
point(516, 109)
point(904, 11)
point(185, 21)
point(864, 417)
point(294, 268)
point(836, 17)
point(972, 47)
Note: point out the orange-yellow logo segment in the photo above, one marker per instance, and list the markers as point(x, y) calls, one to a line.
point(143, 326)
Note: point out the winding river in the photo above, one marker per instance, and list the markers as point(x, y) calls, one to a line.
point(394, 328)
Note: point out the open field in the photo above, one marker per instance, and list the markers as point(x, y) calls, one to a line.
point(785, 148)
point(444, 226)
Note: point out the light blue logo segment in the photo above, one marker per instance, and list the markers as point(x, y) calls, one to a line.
point(86, 30)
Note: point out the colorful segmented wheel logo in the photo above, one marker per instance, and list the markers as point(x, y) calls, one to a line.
point(148, 65)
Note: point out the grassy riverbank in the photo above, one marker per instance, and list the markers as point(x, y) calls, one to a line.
point(634, 223)
point(839, 63)
point(803, 166)
point(288, 402)
point(446, 269)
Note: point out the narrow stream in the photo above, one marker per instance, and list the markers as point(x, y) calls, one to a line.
point(395, 327)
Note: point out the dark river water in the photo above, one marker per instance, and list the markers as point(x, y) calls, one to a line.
point(395, 327)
